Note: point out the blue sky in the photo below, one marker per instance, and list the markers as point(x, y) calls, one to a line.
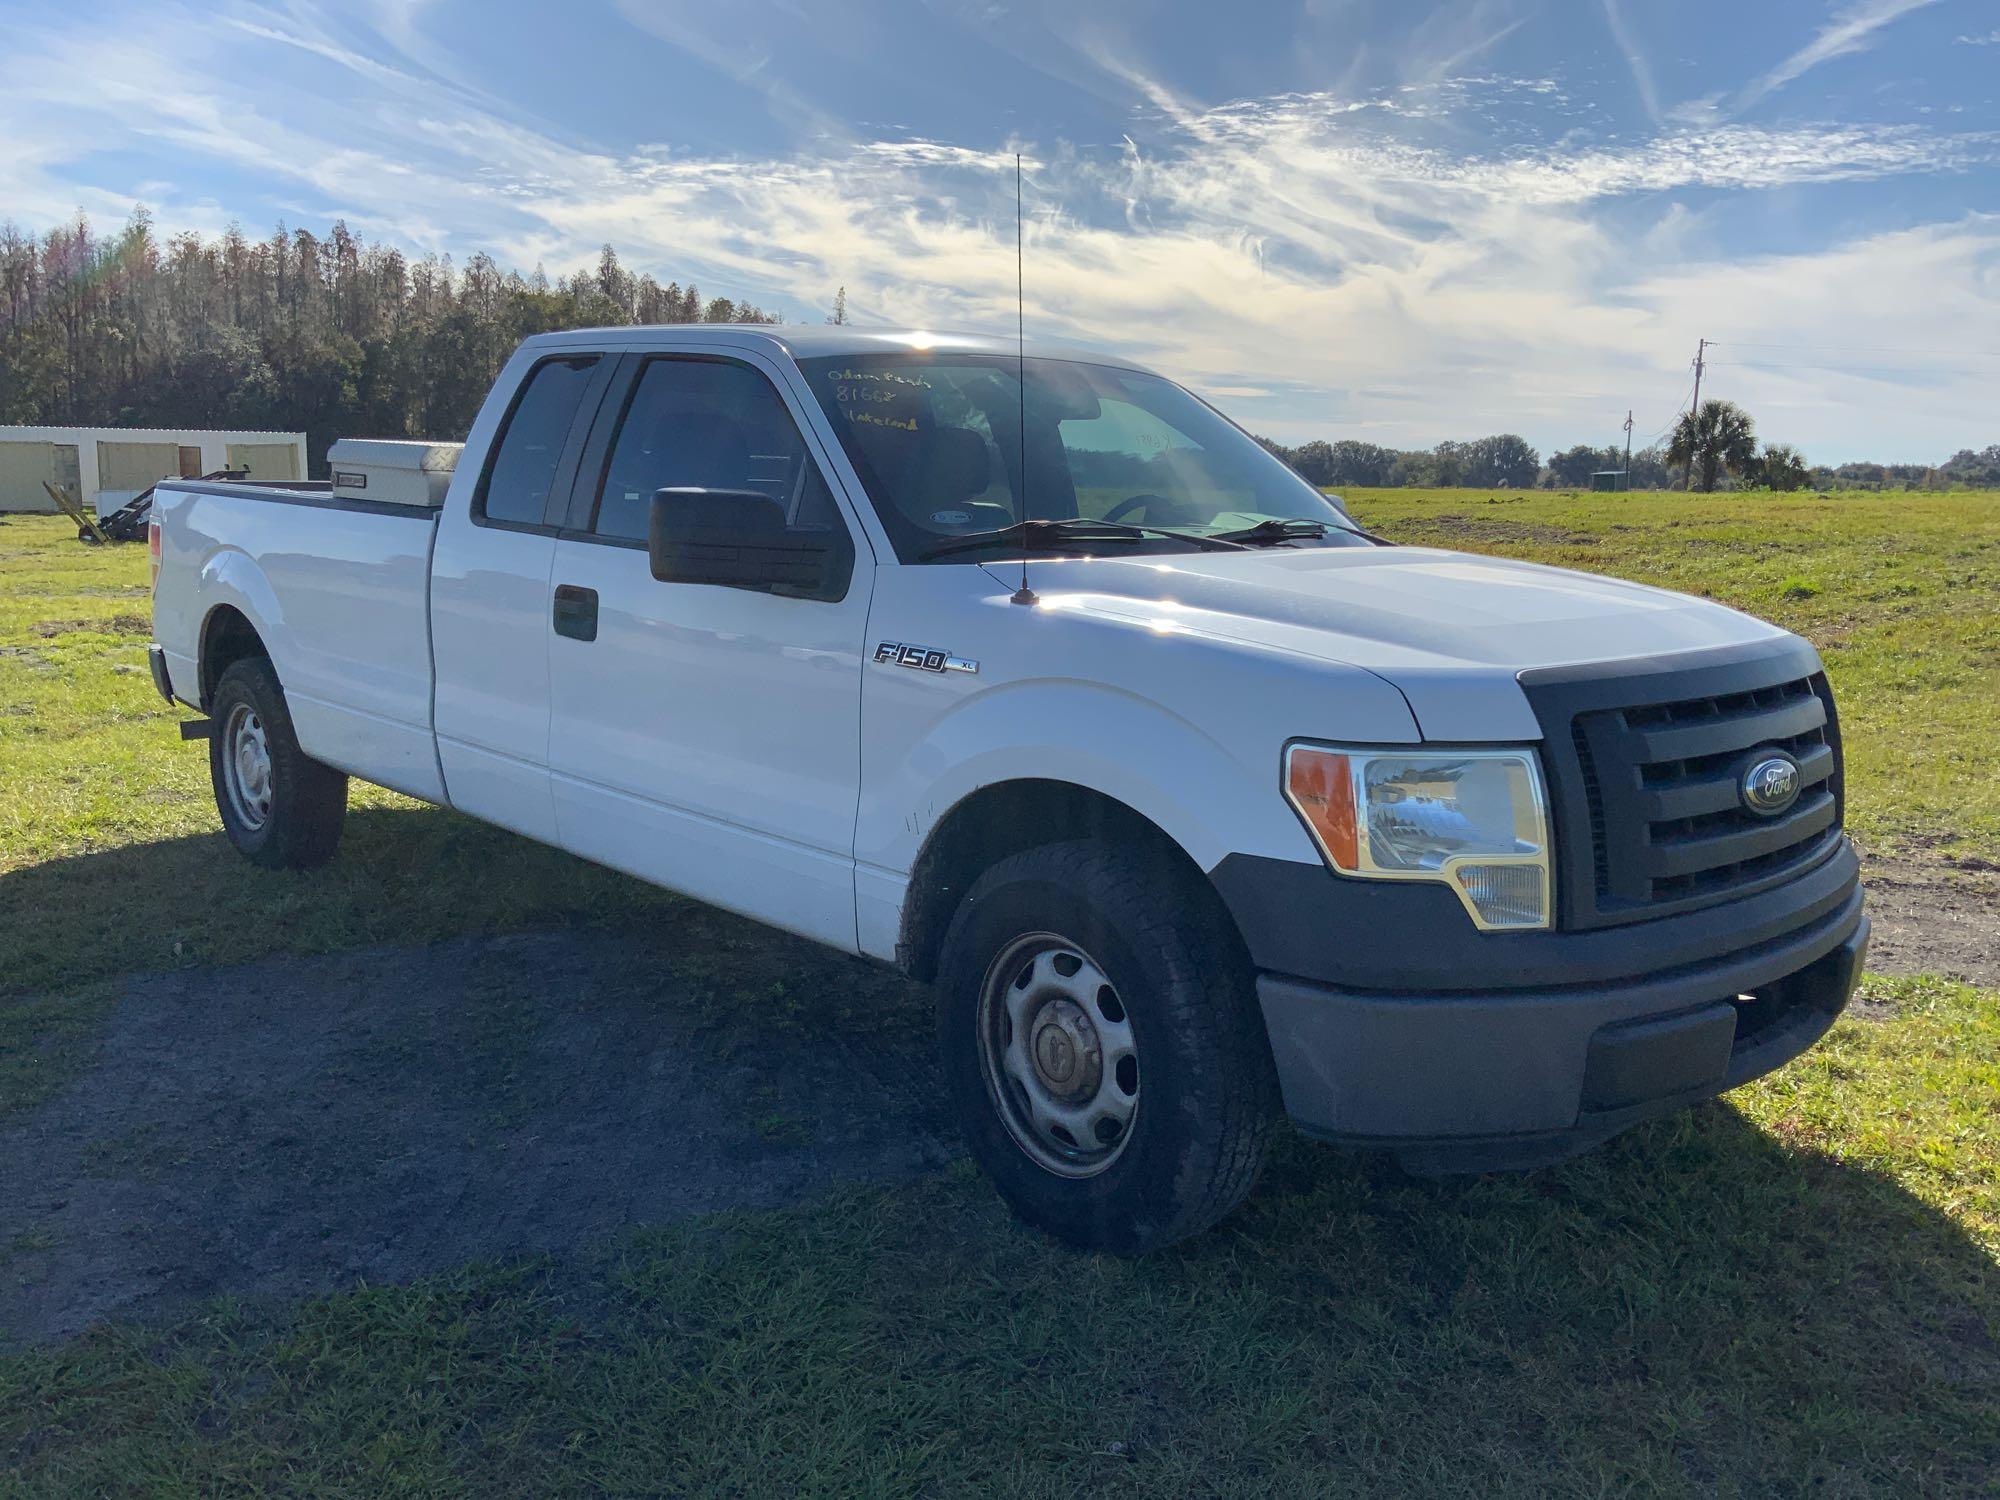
point(1343, 218)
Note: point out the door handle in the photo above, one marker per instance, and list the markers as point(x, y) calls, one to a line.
point(576, 612)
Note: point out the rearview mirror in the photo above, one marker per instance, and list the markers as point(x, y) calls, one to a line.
point(739, 539)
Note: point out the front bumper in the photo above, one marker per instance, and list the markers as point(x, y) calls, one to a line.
point(1510, 1075)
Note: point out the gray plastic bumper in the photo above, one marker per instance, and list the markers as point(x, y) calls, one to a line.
point(1477, 1081)
point(156, 662)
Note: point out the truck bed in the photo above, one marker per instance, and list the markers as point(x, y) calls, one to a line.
point(340, 590)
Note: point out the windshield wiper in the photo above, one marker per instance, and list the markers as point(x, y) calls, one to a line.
point(1055, 533)
point(1295, 528)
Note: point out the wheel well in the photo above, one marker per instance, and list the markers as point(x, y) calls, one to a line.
point(227, 636)
point(1002, 819)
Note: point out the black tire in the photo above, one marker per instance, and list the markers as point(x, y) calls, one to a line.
point(305, 802)
point(1205, 1093)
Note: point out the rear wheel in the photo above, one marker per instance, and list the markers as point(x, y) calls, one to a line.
point(1104, 1046)
point(280, 807)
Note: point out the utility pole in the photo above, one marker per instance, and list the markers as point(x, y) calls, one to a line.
point(1701, 350)
point(1628, 448)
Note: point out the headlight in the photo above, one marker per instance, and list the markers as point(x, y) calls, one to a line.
point(1476, 820)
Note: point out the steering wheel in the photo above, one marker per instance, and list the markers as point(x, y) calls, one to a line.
point(1171, 512)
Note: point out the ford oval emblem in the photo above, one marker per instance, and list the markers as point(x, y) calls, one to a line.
point(1771, 784)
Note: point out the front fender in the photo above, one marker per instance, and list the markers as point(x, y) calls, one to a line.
point(1093, 736)
point(1185, 727)
point(1209, 782)
point(1212, 787)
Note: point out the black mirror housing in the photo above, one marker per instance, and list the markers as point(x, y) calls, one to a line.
point(739, 539)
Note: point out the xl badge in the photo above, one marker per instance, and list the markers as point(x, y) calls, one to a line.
point(1771, 784)
point(922, 658)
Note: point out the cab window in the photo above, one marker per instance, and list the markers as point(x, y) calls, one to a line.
point(515, 488)
point(708, 424)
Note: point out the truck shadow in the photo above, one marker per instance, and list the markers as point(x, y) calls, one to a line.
point(295, 1124)
point(369, 1072)
point(405, 873)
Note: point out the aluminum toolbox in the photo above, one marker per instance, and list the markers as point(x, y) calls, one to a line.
point(392, 471)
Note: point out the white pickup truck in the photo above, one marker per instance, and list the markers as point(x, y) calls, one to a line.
point(1030, 673)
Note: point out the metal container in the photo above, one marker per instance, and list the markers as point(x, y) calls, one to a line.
point(393, 471)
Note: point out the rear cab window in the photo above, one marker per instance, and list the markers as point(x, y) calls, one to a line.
point(521, 475)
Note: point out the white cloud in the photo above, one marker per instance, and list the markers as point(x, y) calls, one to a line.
point(1823, 347)
point(1642, 73)
point(1848, 31)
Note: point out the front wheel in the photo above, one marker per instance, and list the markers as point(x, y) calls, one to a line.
point(1104, 1046)
point(280, 807)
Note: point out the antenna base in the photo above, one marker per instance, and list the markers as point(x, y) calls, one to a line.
point(1024, 595)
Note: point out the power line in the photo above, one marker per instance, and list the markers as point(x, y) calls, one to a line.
point(1847, 369)
point(1663, 432)
point(1656, 436)
point(1856, 348)
point(1669, 424)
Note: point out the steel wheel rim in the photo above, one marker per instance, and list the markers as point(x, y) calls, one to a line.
point(1059, 1055)
point(246, 766)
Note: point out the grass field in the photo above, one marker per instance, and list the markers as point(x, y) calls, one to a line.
point(1797, 1290)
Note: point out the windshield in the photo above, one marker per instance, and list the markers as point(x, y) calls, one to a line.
point(937, 440)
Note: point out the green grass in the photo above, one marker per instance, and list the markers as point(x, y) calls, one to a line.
point(1797, 1290)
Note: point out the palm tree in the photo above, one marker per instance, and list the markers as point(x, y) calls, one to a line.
point(1718, 436)
point(1784, 467)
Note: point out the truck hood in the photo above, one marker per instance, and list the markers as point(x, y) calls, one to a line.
point(1450, 629)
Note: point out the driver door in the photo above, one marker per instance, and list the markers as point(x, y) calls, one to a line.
point(702, 737)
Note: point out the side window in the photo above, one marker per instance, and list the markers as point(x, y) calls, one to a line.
point(523, 469)
point(715, 425)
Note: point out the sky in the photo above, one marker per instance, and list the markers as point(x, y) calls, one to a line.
point(1372, 219)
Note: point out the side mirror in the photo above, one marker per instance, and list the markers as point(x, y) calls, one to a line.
point(738, 539)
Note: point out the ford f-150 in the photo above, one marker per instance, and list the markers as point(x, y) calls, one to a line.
point(1027, 671)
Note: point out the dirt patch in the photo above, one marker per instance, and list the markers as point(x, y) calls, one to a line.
point(1495, 531)
point(302, 1125)
point(1934, 918)
point(116, 625)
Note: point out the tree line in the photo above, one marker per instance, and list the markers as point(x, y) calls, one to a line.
point(1712, 448)
point(329, 335)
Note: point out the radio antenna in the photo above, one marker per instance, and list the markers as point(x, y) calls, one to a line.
point(1024, 594)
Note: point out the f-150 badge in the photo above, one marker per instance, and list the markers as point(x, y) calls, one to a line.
point(922, 658)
